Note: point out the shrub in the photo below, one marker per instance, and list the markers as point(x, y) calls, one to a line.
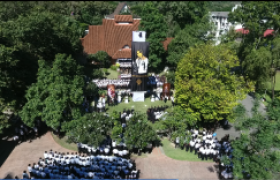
point(113, 67)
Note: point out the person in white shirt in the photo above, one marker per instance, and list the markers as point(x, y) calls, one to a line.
point(106, 150)
point(207, 152)
point(35, 166)
point(200, 152)
point(197, 146)
point(46, 154)
point(115, 152)
point(29, 168)
point(16, 138)
point(192, 144)
point(67, 160)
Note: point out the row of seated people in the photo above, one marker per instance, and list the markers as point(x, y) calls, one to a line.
point(125, 76)
point(120, 84)
point(72, 166)
point(118, 149)
point(125, 64)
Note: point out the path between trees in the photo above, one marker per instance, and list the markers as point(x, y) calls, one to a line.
point(248, 103)
point(155, 166)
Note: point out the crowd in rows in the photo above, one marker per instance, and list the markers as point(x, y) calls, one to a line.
point(57, 165)
point(207, 146)
point(119, 83)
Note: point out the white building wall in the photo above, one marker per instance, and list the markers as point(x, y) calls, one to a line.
point(220, 20)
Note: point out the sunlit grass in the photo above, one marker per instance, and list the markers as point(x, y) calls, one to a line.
point(177, 153)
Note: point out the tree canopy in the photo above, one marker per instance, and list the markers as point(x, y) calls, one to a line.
point(57, 95)
point(255, 153)
point(206, 85)
point(256, 50)
point(92, 129)
point(138, 133)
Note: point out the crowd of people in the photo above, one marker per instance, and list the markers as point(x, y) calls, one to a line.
point(23, 132)
point(119, 83)
point(155, 113)
point(207, 146)
point(57, 165)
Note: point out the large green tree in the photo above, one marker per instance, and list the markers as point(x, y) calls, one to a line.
point(44, 34)
point(138, 133)
point(57, 95)
point(152, 21)
point(178, 122)
point(186, 38)
point(92, 129)
point(206, 86)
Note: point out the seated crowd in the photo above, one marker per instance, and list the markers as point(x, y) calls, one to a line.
point(155, 113)
point(207, 146)
point(57, 165)
point(119, 83)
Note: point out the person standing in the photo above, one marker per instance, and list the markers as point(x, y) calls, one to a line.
point(172, 100)
point(192, 144)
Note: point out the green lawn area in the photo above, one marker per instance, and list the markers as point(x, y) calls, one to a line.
point(277, 84)
point(268, 94)
point(177, 153)
point(62, 142)
point(112, 74)
point(138, 106)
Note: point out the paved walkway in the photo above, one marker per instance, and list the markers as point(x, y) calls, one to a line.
point(28, 153)
point(159, 166)
point(248, 103)
point(155, 166)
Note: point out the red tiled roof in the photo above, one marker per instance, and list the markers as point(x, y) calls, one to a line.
point(166, 42)
point(94, 40)
point(268, 32)
point(123, 18)
point(243, 31)
point(124, 53)
point(112, 37)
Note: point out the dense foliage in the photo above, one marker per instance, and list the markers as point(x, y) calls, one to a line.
point(177, 123)
point(39, 30)
point(258, 54)
point(255, 153)
point(92, 129)
point(206, 86)
point(138, 133)
point(57, 95)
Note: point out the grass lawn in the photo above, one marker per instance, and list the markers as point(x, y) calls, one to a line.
point(177, 153)
point(112, 74)
point(138, 106)
point(268, 93)
point(277, 84)
point(62, 142)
